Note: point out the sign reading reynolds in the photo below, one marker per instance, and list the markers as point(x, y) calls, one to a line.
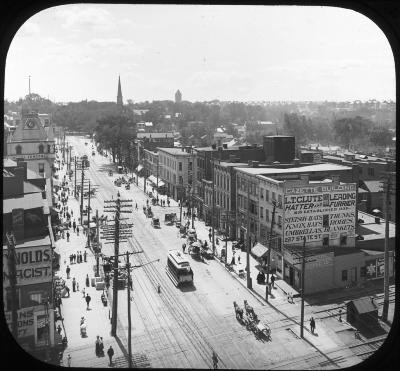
point(318, 211)
point(33, 265)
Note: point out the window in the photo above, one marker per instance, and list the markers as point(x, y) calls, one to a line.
point(273, 196)
point(279, 221)
point(41, 149)
point(280, 200)
point(266, 195)
point(326, 201)
point(8, 299)
point(41, 168)
point(180, 166)
point(343, 239)
point(267, 215)
point(325, 221)
point(371, 171)
point(325, 240)
point(363, 271)
point(344, 275)
point(261, 212)
point(18, 150)
point(261, 193)
point(180, 180)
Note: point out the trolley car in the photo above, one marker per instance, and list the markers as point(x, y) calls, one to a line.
point(178, 268)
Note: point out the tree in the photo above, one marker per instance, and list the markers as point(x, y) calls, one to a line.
point(298, 126)
point(380, 136)
point(351, 130)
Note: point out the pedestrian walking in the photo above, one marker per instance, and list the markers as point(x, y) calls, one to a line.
point(70, 259)
point(74, 225)
point(59, 329)
point(88, 298)
point(101, 347)
point(215, 360)
point(67, 236)
point(77, 286)
point(110, 353)
point(72, 212)
point(209, 236)
point(80, 257)
point(136, 206)
point(85, 256)
point(273, 281)
point(312, 324)
point(77, 230)
point(68, 270)
point(97, 346)
point(238, 259)
point(87, 280)
point(73, 284)
point(183, 247)
point(84, 293)
point(184, 214)
point(67, 290)
point(69, 360)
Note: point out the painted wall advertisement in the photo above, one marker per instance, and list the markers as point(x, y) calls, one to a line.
point(319, 211)
point(33, 265)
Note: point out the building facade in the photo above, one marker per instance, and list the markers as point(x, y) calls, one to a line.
point(176, 169)
point(26, 216)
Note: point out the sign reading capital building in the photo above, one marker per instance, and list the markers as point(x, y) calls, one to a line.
point(316, 212)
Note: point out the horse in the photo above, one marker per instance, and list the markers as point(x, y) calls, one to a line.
point(238, 311)
point(249, 309)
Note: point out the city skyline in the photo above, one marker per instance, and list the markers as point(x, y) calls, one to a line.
point(230, 53)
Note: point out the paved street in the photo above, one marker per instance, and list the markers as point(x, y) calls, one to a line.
point(180, 327)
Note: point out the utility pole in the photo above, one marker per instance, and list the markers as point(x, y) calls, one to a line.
point(115, 234)
point(303, 257)
point(70, 157)
point(75, 178)
point(64, 146)
point(303, 271)
point(157, 177)
point(213, 201)
point(249, 283)
point(88, 218)
point(12, 274)
point(98, 243)
point(128, 270)
point(269, 249)
point(388, 191)
point(82, 180)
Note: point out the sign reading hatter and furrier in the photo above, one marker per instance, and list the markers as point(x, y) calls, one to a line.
point(319, 211)
point(33, 265)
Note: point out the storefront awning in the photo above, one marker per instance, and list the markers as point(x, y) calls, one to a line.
point(152, 179)
point(259, 250)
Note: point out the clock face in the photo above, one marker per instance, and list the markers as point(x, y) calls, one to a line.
point(30, 124)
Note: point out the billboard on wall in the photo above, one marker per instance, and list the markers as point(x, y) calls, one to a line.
point(319, 211)
point(33, 265)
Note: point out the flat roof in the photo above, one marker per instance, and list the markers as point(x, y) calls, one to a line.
point(155, 135)
point(372, 231)
point(232, 164)
point(293, 170)
point(174, 151)
point(29, 201)
point(31, 242)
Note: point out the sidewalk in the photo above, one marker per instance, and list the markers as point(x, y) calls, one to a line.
point(82, 350)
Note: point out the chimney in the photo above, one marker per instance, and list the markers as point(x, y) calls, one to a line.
point(225, 145)
point(23, 164)
point(377, 220)
point(213, 146)
point(296, 161)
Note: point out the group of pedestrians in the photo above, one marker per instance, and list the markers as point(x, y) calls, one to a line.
point(99, 349)
point(78, 257)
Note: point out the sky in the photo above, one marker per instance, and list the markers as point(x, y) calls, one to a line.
point(228, 52)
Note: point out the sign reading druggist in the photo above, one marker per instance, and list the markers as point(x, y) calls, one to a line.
point(319, 211)
point(33, 265)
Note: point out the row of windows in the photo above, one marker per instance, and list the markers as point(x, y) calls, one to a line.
point(222, 180)
point(18, 149)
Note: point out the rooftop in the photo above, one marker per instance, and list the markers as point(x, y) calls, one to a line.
point(155, 135)
point(31, 242)
point(371, 230)
point(293, 170)
point(28, 201)
point(174, 151)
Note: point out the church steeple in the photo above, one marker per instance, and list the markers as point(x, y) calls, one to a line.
point(119, 96)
